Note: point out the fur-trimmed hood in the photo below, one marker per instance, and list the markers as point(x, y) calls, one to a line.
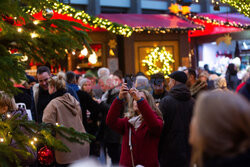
point(198, 87)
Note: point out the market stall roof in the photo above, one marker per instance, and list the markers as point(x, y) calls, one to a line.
point(56, 15)
point(219, 23)
point(234, 18)
point(160, 22)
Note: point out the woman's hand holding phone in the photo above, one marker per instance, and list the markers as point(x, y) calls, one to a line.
point(123, 91)
point(135, 94)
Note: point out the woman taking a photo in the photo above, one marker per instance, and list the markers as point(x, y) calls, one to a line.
point(220, 130)
point(141, 127)
point(65, 110)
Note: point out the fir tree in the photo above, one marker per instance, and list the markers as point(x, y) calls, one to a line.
point(48, 40)
point(28, 134)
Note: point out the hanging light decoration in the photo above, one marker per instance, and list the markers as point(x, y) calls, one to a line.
point(24, 58)
point(84, 52)
point(93, 58)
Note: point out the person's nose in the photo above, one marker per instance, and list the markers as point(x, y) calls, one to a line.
point(44, 83)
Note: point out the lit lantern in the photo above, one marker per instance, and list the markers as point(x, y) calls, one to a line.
point(93, 58)
point(84, 52)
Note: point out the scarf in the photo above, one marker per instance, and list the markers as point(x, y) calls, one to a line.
point(136, 121)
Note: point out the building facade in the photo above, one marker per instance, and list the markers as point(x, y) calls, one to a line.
point(95, 7)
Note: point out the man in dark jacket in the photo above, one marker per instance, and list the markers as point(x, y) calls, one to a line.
point(176, 107)
point(40, 93)
point(110, 139)
point(157, 82)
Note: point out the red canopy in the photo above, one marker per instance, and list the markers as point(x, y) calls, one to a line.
point(230, 17)
point(150, 20)
point(39, 16)
point(211, 29)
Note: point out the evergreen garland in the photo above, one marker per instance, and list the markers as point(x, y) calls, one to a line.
point(30, 134)
point(41, 41)
point(243, 6)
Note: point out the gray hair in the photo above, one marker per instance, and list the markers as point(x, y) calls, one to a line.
point(142, 82)
point(84, 80)
point(102, 72)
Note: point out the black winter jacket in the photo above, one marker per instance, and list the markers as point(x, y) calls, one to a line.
point(241, 160)
point(105, 133)
point(177, 107)
point(87, 103)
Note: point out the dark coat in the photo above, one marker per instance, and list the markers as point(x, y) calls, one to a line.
point(24, 96)
point(87, 103)
point(105, 133)
point(73, 91)
point(232, 81)
point(177, 107)
point(241, 160)
point(245, 90)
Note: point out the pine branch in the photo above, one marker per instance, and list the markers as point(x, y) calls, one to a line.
point(18, 134)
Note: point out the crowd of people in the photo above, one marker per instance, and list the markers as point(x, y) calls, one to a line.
point(196, 119)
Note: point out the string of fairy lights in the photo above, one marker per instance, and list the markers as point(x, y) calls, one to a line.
point(159, 60)
point(33, 140)
point(163, 30)
point(87, 19)
point(243, 6)
point(217, 22)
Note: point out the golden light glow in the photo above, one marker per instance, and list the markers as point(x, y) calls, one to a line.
point(158, 60)
point(93, 58)
point(185, 10)
point(19, 29)
point(84, 52)
point(174, 8)
point(36, 22)
point(34, 35)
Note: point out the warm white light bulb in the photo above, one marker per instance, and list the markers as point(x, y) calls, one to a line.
point(84, 51)
point(93, 58)
point(36, 22)
point(1, 140)
point(33, 35)
point(19, 29)
point(35, 139)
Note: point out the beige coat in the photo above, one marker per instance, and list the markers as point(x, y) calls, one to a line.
point(65, 110)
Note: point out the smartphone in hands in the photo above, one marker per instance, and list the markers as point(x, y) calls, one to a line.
point(129, 81)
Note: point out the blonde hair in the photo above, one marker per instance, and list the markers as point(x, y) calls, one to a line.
point(7, 100)
point(222, 123)
point(58, 82)
point(220, 83)
point(61, 74)
point(131, 113)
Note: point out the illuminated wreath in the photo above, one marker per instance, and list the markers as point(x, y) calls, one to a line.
point(158, 61)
